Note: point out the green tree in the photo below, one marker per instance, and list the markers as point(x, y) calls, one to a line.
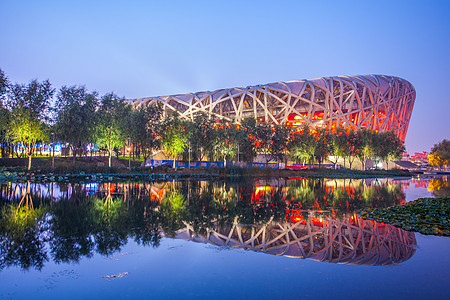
point(4, 113)
point(278, 147)
point(174, 136)
point(226, 143)
point(247, 139)
point(75, 117)
point(367, 147)
point(340, 145)
point(29, 105)
point(440, 154)
point(323, 146)
point(4, 86)
point(301, 146)
point(354, 146)
point(390, 147)
point(264, 135)
point(202, 136)
point(143, 128)
point(110, 127)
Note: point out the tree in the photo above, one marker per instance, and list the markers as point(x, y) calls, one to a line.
point(301, 146)
point(226, 143)
point(247, 139)
point(440, 154)
point(354, 146)
point(264, 135)
point(75, 117)
point(143, 128)
point(365, 137)
point(4, 85)
point(29, 105)
point(396, 147)
point(110, 128)
point(323, 146)
point(174, 136)
point(202, 136)
point(4, 113)
point(278, 147)
point(340, 145)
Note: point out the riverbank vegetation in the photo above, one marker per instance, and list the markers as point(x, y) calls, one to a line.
point(424, 215)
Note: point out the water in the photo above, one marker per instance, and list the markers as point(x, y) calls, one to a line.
point(255, 239)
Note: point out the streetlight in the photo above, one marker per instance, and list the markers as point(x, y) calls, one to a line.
point(129, 153)
point(189, 155)
point(53, 151)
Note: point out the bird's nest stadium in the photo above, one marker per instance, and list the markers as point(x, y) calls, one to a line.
point(376, 102)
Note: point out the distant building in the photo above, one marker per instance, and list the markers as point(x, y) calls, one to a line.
point(420, 158)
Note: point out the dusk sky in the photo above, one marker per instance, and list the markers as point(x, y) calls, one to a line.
point(153, 48)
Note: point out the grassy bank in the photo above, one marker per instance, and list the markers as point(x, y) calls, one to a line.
point(82, 166)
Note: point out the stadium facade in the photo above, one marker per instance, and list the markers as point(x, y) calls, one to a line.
point(376, 102)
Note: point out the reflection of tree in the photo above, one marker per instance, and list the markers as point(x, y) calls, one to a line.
point(440, 188)
point(345, 198)
point(110, 224)
point(145, 222)
point(173, 210)
point(72, 223)
point(22, 238)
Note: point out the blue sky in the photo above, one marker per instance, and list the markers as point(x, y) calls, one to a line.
point(153, 48)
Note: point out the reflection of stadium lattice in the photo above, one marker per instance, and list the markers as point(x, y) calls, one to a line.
point(351, 241)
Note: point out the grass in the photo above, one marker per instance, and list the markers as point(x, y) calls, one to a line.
point(95, 165)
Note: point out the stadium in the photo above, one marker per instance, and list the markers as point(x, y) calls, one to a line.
point(376, 102)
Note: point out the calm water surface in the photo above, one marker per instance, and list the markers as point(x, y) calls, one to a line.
point(292, 238)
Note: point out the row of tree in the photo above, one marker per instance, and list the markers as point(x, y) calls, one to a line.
point(79, 117)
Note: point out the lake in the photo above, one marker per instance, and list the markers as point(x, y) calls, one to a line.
point(247, 238)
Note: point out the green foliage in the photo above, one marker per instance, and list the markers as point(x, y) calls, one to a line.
point(202, 136)
point(174, 136)
point(110, 130)
point(247, 138)
point(33, 97)
point(143, 126)
point(225, 145)
point(29, 105)
point(323, 145)
point(173, 210)
point(75, 116)
point(4, 85)
point(441, 153)
point(301, 146)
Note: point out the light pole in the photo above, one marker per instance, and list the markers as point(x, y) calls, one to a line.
point(189, 156)
point(129, 153)
point(53, 151)
point(238, 154)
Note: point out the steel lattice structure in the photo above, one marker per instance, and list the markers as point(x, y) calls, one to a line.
point(350, 241)
point(377, 102)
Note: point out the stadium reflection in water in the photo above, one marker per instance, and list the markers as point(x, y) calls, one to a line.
point(300, 218)
point(349, 241)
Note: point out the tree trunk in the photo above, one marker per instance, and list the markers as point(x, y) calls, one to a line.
point(29, 161)
point(109, 158)
point(174, 158)
point(74, 155)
